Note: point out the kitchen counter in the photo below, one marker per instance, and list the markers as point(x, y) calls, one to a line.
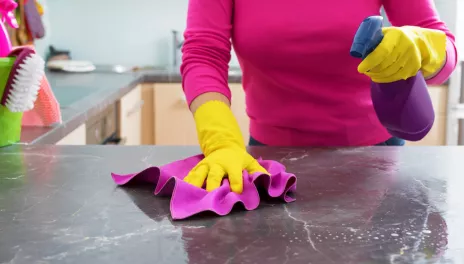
point(58, 204)
point(83, 95)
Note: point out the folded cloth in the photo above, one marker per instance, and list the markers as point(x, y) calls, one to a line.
point(46, 111)
point(188, 200)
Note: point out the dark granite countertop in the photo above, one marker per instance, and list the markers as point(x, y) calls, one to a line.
point(83, 95)
point(58, 204)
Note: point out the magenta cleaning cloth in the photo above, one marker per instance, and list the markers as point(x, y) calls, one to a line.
point(188, 200)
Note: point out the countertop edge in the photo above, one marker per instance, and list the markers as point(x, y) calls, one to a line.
point(62, 130)
point(79, 112)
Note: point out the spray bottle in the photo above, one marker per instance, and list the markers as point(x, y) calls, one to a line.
point(403, 107)
point(21, 71)
point(6, 12)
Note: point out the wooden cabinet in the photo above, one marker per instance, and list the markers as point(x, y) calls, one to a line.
point(102, 126)
point(173, 121)
point(148, 114)
point(166, 119)
point(130, 117)
point(437, 135)
point(76, 137)
point(238, 107)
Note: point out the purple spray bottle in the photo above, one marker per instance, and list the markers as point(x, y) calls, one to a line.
point(403, 107)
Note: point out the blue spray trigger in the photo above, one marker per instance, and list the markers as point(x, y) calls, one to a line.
point(368, 37)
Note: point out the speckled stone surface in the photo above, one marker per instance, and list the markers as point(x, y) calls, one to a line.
point(58, 204)
point(83, 95)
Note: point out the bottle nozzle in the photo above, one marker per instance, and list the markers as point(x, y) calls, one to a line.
point(368, 36)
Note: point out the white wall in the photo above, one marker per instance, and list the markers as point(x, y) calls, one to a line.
point(108, 31)
point(41, 45)
point(459, 26)
point(447, 11)
point(135, 32)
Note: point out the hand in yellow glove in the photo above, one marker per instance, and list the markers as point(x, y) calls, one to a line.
point(222, 144)
point(403, 52)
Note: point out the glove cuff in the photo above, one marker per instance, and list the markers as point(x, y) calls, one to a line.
point(217, 127)
point(432, 46)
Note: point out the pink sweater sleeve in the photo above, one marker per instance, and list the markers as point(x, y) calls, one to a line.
point(422, 13)
point(206, 48)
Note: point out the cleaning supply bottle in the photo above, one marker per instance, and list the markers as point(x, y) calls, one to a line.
point(6, 12)
point(21, 71)
point(403, 107)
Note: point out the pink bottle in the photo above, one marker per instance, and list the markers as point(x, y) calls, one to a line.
point(6, 11)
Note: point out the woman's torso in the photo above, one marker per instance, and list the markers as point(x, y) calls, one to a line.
point(301, 84)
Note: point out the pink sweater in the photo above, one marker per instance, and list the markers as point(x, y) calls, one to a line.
point(302, 86)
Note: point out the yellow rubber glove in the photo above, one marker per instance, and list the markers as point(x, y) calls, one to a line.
point(403, 52)
point(222, 144)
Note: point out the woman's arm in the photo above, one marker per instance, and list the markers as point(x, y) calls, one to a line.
point(205, 69)
point(206, 52)
point(206, 97)
point(422, 13)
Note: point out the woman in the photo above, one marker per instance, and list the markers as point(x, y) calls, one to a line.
point(302, 87)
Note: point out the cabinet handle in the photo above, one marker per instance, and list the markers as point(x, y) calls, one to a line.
point(97, 134)
point(182, 100)
point(117, 141)
point(458, 107)
point(136, 108)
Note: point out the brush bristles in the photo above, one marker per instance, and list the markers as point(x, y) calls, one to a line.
point(26, 84)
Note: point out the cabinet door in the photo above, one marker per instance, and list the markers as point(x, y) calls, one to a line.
point(174, 124)
point(76, 137)
point(148, 114)
point(437, 135)
point(239, 109)
point(130, 116)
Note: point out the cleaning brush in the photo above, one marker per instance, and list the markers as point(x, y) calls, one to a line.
point(23, 71)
